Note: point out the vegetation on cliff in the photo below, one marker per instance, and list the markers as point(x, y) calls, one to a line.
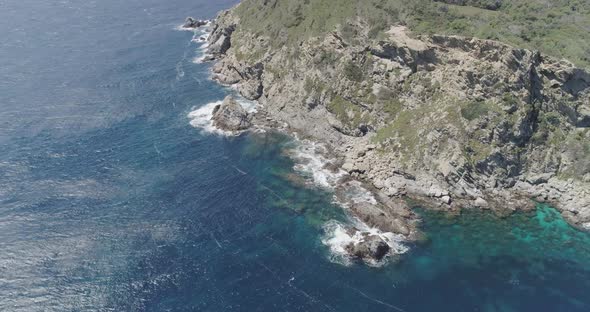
point(559, 27)
point(478, 119)
point(367, 98)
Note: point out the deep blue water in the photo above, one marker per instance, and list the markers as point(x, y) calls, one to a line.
point(111, 201)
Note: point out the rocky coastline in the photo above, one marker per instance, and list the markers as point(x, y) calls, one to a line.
point(450, 91)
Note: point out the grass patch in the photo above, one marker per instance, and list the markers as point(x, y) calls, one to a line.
point(347, 112)
point(353, 72)
point(475, 109)
point(392, 106)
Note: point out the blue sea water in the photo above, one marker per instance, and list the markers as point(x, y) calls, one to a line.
point(111, 201)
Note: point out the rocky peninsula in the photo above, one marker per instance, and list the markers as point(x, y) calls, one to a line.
point(453, 122)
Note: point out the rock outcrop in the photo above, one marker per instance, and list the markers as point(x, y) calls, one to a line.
point(457, 122)
point(370, 247)
point(220, 39)
point(231, 116)
point(194, 23)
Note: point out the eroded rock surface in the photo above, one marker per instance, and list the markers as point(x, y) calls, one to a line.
point(371, 247)
point(231, 116)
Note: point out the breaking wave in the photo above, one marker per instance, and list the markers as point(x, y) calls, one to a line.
point(312, 163)
point(200, 118)
point(337, 237)
point(201, 37)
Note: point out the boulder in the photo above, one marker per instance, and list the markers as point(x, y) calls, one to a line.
point(231, 116)
point(372, 247)
point(446, 199)
point(193, 23)
point(480, 203)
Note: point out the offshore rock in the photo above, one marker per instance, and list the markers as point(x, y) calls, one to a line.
point(194, 23)
point(371, 247)
point(231, 116)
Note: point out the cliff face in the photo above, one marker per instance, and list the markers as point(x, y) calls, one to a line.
point(458, 121)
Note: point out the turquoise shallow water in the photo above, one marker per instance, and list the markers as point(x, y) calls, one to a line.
point(111, 201)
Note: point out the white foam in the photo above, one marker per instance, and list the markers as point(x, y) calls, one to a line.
point(336, 237)
point(199, 59)
point(201, 118)
point(180, 28)
point(312, 164)
point(201, 37)
point(311, 160)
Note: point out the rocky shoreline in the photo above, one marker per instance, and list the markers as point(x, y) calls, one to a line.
point(382, 222)
point(512, 172)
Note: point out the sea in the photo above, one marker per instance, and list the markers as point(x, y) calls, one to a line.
point(116, 194)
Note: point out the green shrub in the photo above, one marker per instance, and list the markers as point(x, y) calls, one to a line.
point(510, 99)
point(353, 72)
point(552, 118)
point(392, 106)
point(474, 109)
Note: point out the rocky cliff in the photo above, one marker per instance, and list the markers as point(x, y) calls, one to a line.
point(457, 122)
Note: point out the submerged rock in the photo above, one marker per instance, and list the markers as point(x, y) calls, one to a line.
point(193, 23)
point(231, 116)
